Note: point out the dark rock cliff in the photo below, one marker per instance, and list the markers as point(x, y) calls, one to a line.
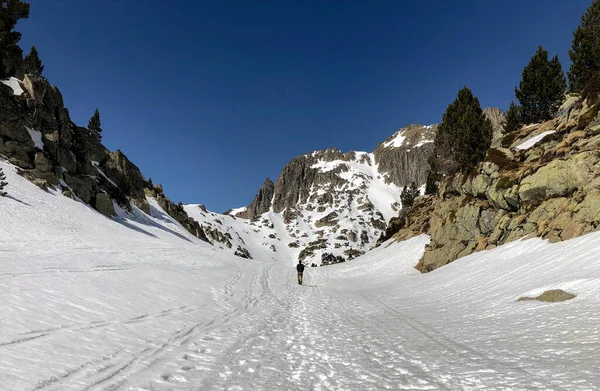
point(261, 203)
point(70, 156)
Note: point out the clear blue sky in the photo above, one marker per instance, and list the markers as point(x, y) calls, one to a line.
point(209, 98)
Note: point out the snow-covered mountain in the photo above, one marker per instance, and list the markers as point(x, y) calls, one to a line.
point(327, 206)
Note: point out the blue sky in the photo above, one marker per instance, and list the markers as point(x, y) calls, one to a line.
point(210, 97)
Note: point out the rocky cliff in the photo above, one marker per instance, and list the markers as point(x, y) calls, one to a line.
point(38, 136)
point(402, 158)
point(540, 181)
point(498, 120)
point(261, 203)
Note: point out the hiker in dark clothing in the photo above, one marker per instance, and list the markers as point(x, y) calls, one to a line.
point(300, 269)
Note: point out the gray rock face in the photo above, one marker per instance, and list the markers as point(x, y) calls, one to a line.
point(406, 163)
point(498, 120)
point(298, 176)
point(177, 212)
point(104, 205)
point(261, 203)
point(36, 88)
point(561, 177)
point(81, 186)
point(15, 142)
point(329, 220)
point(400, 164)
point(216, 235)
point(126, 175)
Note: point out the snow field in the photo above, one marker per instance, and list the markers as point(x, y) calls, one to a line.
point(136, 303)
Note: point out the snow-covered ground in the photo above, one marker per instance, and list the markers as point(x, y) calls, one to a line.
point(136, 303)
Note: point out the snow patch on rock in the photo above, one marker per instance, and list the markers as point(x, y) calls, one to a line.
point(36, 137)
point(534, 140)
point(15, 84)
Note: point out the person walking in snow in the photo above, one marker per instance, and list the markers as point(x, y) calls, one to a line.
point(300, 269)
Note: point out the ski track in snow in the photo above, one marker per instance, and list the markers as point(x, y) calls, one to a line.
point(263, 331)
point(136, 303)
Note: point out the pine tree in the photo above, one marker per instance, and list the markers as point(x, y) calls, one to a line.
point(462, 140)
point(3, 183)
point(11, 11)
point(542, 88)
point(513, 118)
point(585, 49)
point(405, 198)
point(433, 178)
point(32, 63)
point(591, 91)
point(94, 124)
point(408, 195)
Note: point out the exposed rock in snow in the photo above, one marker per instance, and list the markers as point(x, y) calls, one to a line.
point(552, 296)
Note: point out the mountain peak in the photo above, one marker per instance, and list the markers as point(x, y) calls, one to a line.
point(261, 202)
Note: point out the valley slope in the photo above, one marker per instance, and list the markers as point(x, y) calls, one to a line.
point(137, 302)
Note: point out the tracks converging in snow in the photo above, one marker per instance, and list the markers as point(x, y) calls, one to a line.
point(259, 330)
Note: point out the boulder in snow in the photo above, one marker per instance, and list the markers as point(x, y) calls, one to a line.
point(552, 296)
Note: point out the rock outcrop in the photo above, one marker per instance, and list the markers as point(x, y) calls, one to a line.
point(104, 205)
point(402, 158)
point(294, 184)
point(550, 190)
point(261, 203)
point(551, 296)
point(498, 120)
point(242, 253)
point(38, 136)
point(177, 212)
